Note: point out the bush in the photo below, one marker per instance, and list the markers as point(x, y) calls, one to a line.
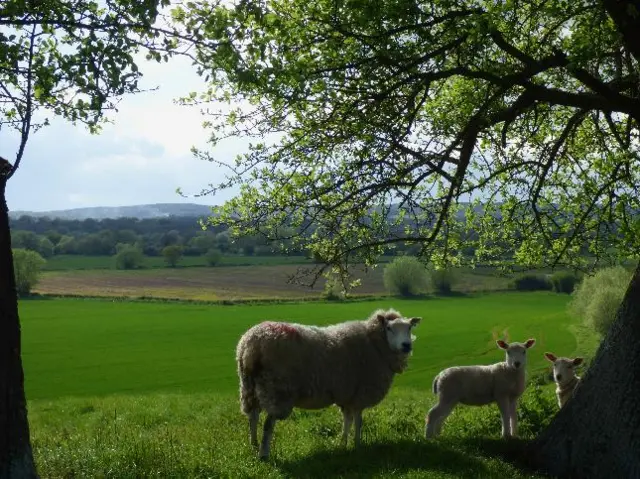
point(596, 300)
point(128, 257)
point(531, 282)
point(26, 265)
point(443, 280)
point(564, 281)
point(213, 256)
point(172, 254)
point(333, 289)
point(406, 276)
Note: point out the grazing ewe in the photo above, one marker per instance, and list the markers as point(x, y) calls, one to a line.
point(352, 364)
point(564, 376)
point(502, 383)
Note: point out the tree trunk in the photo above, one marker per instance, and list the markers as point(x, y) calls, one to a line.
point(16, 457)
point(597, 433)
point(626, 15)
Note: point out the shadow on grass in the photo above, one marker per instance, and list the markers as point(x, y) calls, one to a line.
point(374, 459)
point(517, 452)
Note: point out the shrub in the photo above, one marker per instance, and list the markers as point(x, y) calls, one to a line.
point(128, 256)
point(26, 265)
point(333, 289)
point(443, 280)
point(406, 276)
point(531, 282)
point(596, 300)
point(564, 281)
point(213, 256)
point(172, 254)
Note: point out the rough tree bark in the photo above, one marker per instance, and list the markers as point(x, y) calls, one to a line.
point(597, 433)
point(16, 457)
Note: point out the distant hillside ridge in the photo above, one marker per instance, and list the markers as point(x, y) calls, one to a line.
point(158, 210)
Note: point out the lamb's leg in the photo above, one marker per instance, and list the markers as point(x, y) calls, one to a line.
point(358, 427)
point(254, 416)
point(267, 434)
point(505, 412)
point(513, 413)
point(347, 419)
point(436, 417)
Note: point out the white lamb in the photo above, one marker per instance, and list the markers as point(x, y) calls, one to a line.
point(502, 383)
point(564, 376)
point(352, 364)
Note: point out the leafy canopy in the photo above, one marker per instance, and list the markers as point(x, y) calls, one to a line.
point(526, 110)
point(76, 58)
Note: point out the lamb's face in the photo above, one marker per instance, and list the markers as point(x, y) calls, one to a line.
point(516, 353)
point(399, 333)
point(563, 368)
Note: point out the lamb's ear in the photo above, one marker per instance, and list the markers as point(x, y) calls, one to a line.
point(415, 321)
point(382, 319)
point(529, 343)
point(501, 344)
point(550, 357)
point(578, 361)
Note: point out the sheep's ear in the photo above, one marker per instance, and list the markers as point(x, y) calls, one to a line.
point(529, 343)
point(501, 344)
point(415, 321)
point(382, 319)
point(550, 357)
point(577, 361)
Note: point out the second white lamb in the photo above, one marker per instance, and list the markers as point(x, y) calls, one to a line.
point(502, 383)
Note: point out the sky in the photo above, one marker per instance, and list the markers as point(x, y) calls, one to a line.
point(142, 158)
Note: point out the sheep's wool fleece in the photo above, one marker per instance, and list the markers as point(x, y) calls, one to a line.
point(565, 392)
point(349, 364)
point(478, 385)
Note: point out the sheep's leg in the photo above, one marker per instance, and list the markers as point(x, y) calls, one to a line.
point(267, 434)
point(347, 419)
point(436, 417)
point(358, 427)
point(254, 416)
point(505, 412)
point(514, 416)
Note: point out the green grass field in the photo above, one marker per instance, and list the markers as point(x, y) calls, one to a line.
point(79, 262)
point(126, 389)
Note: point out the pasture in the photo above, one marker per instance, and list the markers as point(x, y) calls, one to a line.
point(140, 389)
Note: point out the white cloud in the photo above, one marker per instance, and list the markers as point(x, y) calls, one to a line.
point(141, 158)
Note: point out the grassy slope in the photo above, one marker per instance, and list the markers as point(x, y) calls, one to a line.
point(156, 391)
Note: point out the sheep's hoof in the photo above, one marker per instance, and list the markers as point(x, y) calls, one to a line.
point(263, 457)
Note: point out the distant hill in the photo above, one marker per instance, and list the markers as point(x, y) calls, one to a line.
point(158, 210)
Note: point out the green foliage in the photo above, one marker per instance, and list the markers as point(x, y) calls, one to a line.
point(172, 254)
point(531, 282)
point(443, 280)
point(406, 276)
point(427, 107)
point(213, 257)
point(333, 289)
point(597, 299)
point(564, 281)
point(27, 265)
point(128, 257)
point(71, 59)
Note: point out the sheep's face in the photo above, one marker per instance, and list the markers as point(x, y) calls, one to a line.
point(563, 368)
point(516, 352)
point(398, 333)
